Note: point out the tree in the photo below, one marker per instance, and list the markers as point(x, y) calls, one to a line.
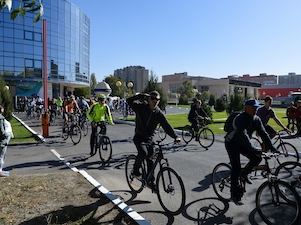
point(5, 100)
point(116, 91)
point(185, 91)
point(24, 6)
point(93, 83)
point(219, 105)
point(152, 85)
point(82, 92)
point(236, 102)
point(211, 101)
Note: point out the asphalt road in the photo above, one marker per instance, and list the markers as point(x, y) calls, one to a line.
point(192, 162)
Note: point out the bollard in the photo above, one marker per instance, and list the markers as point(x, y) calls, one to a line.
point(45, 124)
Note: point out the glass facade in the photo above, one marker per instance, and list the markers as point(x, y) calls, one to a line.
point(68, 49)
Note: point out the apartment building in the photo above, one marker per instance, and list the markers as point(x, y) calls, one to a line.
point(138, 75)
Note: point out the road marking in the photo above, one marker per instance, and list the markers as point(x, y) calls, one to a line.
point(124, 207)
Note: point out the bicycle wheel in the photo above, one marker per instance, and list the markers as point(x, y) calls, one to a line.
point(105, 149)
point(288, 153)
point(187, 134)
point(221, 181)
point(292, 126)
point(65, 132)
point(290, 172)
point(85, 128)
point(161, 133)
point(135, 183)
point(170, 191)
point(206, 137)
point(278, 203)
point(75, 134)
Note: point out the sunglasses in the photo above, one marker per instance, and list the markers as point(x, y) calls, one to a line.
point(154, 98)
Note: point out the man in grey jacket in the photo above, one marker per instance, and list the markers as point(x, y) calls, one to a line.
point(3, 143)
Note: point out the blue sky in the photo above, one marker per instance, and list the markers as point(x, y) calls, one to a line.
point(212, 38)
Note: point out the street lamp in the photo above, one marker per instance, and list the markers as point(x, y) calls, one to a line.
point(129, 85)
point(194, 90)
point(6, 87)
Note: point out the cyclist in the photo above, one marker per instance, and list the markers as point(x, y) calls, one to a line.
point(53, 108)
point(238, 142)
point(148, 116)
point(98, 112)
point(70, 105)
point(266, 112)
point(196, 113)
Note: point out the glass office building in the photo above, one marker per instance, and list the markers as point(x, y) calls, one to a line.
point(68, 50)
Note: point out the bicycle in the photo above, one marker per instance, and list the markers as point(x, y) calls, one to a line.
point(290, 172)
point(203, 134)
point(161, 132)
point(82, 121)
point(288, 151)
point(169, 185)
point(292, 126)
point(102, 143)
point(275, 199)
point(72, 129)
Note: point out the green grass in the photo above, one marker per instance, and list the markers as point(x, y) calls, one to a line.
point(21, 134)
point(178, 121)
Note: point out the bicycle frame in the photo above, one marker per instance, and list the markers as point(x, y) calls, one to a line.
point(159, 157)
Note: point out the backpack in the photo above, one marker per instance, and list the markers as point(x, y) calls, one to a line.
point(228, 127)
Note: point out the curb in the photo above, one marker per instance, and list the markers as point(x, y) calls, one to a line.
point(121, 205)
point(124, 207)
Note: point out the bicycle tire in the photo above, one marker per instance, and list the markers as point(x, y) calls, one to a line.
point(161, 133)
point(221, 181)
point(273, 207)
point(85, 128)
point(65, 132)
point(288, 153)
point(292, 126)
point(206, 137)
point(170, 189)
point(187, 134)
point(75, 134)
point(105, 149)
point(135, 184)
point(290, 172)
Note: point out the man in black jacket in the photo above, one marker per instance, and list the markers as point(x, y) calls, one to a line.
point(148, 116)
point(238, 141)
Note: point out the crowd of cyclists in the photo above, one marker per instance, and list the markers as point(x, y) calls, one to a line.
point(148, 116)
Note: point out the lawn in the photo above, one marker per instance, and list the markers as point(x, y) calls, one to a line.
point(21, 134)
point(178, 121)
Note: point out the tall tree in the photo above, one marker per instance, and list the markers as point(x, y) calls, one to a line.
point(93, 83)
point(152, 85)
point(5, 99)
point(24, 6)
point(236, 102)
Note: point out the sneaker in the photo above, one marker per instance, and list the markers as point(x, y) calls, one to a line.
point(247, 178)
point(237, 201)
point(3, 174)
point(152, 186)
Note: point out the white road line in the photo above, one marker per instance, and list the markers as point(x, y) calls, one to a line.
point(124, 207)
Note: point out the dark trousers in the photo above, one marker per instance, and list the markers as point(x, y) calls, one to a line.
point(234, 152)
point(94, 131)
point(145, 151)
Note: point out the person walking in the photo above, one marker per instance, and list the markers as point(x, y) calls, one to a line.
point(238, 142)
point(98, 112)
point(290, 113)
point(148, 116)
point(4, 139)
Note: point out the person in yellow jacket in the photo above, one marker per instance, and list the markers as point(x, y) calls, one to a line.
point(98, 112)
